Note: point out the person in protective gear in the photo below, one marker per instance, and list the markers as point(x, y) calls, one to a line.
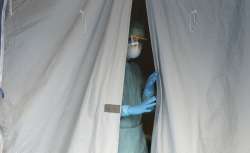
point(136, 101)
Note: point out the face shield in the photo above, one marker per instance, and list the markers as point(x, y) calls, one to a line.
point(136, 36)
point(134, 49)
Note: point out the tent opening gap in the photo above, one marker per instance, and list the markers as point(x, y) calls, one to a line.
point(145, 62)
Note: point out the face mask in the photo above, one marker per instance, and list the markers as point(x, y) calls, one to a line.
point(134, 50)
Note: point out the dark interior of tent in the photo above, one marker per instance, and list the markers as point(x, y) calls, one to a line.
point(145, 61)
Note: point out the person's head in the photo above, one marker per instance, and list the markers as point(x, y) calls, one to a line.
point(136, 36)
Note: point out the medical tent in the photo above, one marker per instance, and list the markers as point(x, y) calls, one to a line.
point(63, 62)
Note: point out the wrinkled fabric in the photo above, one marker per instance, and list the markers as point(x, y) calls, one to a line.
point(201, 49)
point(131, 137)
point(1, 140)
point(1, 31)
point(3, 6)
point(64, 61)
point(132, 140)
point(132, 93)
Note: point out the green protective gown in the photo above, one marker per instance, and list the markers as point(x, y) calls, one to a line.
point(132, 138)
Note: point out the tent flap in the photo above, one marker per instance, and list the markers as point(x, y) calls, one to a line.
point(64, 61)
point(202, 52)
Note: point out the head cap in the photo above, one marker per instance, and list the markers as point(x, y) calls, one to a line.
point(137, 31)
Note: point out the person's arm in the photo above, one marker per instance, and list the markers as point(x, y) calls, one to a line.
point(149, 87)
point(145, 107)
point(149, 101)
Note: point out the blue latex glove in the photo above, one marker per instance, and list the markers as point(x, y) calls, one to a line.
point(149, 87)
point(146, 106)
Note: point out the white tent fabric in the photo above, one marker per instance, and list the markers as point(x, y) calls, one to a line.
point(3, 6)
point(64, 60)
point(202, 51)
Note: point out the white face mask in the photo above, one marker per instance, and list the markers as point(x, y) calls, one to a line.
point(134, 50)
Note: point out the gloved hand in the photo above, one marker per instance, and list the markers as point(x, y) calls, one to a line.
point(144, 107)
point(149, 87)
